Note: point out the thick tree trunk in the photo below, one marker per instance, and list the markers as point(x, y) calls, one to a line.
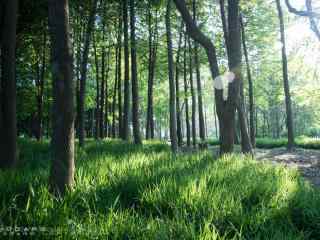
point(83, 79)
point(286, 86)
point(250, 84)
point(62, 169)
point(172, 90)
point(126, 101)
point(8, 119)
point(186, 94)
point(230, 35)
point(225, 109)
point(134, 76)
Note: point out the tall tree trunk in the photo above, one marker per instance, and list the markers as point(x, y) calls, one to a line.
point(199, 87)
point(126, 101)
point(186, 96)
point(83, 79)
point(153, 38)
point(40, 88)
point(119, 73)
point(250, 84)
point(97, 110)
point(286, 86)
point(134, 76)
point(172, 90)
point(8, 119)
point(193, 98)
point(179, 131)
point(62, 168)
point(231, 35)
point(102, 92)
point(114, 98)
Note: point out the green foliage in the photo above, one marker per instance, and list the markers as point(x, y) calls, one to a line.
point(127, 192)
point(302, 141)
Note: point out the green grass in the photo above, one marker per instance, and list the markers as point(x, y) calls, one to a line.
point(127, 192)
point(268, 143)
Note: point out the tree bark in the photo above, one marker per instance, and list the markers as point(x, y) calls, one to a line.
point(98, 109)
point(153, 38)
point(62, 168)
point(199, 87)
point(119, 73)
point(225, 109)
point(134, 77)
point(250, 84)
point(186, 97)
point(40, 88)
point(126, 101)
point(83, 79)
point(286, 86)
point(172, 90)
point(8, 119)
point(193, 97)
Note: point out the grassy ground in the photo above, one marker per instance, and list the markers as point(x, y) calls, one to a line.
point(268, 143)
point(128, 192)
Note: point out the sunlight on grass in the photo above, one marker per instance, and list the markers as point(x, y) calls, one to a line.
point(127, 192)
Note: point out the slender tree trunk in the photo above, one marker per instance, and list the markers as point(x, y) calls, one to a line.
point(186, 94)
point(114, 98)
point(119, 73)
point(193, 98)
point(134, 76)
point(83, 78)
point(97, 110)
point(62, 168)
point(250, 84)
point(40, 88)
point(153, 38)
point(179, 131)
point(126, 101)
point(286, 86)
point(172, 90)
point(8, 119)
point(102, 92)
point(199, 87)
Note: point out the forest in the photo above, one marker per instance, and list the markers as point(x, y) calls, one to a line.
point(160, 119)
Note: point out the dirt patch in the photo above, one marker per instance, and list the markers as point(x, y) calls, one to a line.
point(306, 161)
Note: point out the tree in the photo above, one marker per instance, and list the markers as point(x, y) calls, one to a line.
point(126, 99)
point(8, 120)
point(199, 85)
point(251, 101)
point(309, 13)
point(230, 35)
point(177, 85)
point(193, 97)
point(134, 77)
point(286, 86)
point(225, 109)
point(40, 87)
point(62, 168)
point(172, 90)
point(153, 42)
point(83, 78)
point(186, 98)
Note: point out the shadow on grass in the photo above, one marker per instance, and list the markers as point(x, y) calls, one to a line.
point(247, 201)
